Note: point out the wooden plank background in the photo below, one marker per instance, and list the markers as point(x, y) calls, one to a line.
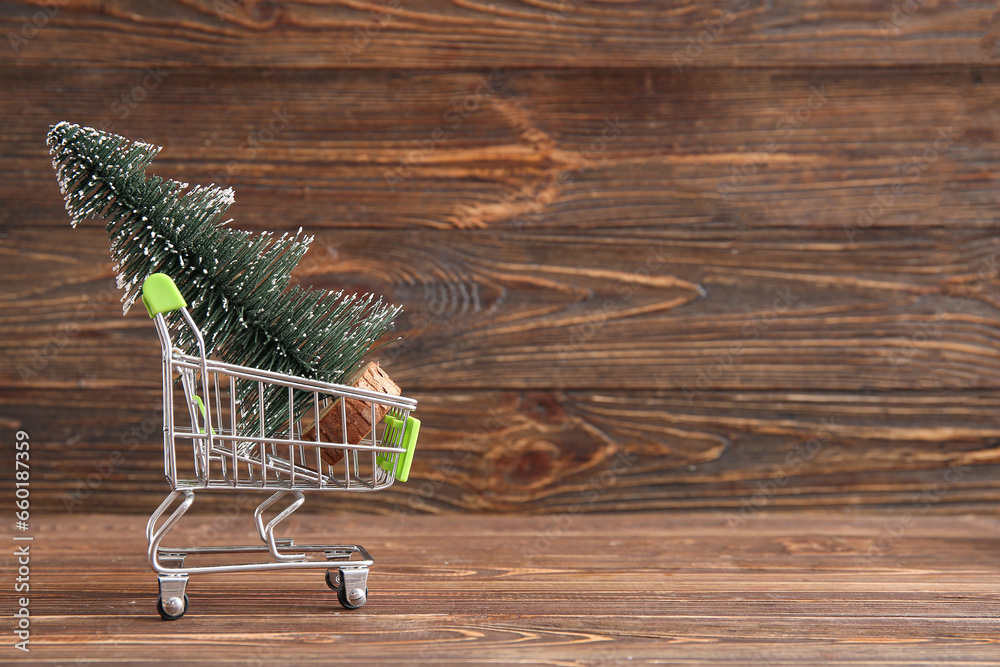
point(646, 261)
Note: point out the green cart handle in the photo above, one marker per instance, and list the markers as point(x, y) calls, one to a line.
point(160, 295)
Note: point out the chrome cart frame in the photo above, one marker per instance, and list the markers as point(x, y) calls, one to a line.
point(215, 439)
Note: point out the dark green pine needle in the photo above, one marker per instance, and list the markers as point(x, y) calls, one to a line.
point(236, 283)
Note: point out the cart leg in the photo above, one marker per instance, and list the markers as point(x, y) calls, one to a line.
point(351, 584)
point(267, 532)
point(154, 537)
point(151, 531)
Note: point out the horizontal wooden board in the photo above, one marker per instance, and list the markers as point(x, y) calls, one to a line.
point(574, 452)
point(424, 34)
point(611, 589)
point(685, 310)
point(591, 150)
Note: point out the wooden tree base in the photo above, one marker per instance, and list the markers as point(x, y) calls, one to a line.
point(359, 413)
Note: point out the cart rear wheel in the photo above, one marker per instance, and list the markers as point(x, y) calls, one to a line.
point(173, 608)
point(351, 585)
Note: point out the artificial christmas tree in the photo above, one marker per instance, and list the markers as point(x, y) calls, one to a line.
point(236, 282)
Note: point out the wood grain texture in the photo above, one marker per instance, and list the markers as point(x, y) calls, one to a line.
point(578, 452)
point(606, 151)
point(807, 589)
point(423, 34)
point(767, 278)
point(685, 310)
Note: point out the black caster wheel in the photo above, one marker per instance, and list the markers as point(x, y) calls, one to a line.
point(173, 608)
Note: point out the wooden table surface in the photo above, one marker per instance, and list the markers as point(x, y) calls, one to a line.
point(666, 588)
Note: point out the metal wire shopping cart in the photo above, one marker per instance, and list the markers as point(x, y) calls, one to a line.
point(216, 439)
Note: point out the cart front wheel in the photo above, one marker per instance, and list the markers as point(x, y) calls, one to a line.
point(172, 608)
point(351, 599)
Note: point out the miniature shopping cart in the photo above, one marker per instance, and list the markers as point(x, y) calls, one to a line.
point(216, 439)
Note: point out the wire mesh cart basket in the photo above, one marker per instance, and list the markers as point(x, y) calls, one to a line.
point(220, 434)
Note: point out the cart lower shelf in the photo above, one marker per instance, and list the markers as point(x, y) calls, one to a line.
point(349, 578)
point(346, 565)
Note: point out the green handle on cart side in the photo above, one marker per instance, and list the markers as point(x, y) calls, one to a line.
point(409, 444)
point(160, 295)
point(201, 405)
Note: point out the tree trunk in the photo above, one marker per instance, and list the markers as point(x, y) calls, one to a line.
point(358, 412)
